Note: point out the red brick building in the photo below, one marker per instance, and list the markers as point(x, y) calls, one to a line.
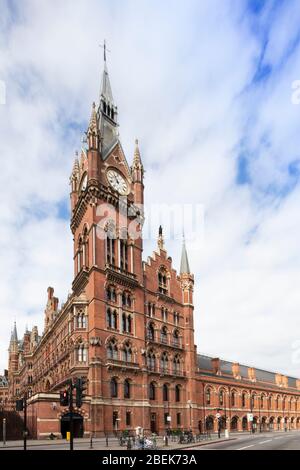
point(128, 324)
point(4, 389)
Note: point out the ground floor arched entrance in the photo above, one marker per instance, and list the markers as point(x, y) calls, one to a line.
point(245, 423)
point(271, 423)
point(77, 425)
point(254, 424)
point(153, 423)
point(209, 423)
point(293, 423)
point(278, 423)
point(200, 428)
point(264, 423)
point(234, 424)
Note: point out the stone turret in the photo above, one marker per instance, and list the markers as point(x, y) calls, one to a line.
point(51, 308)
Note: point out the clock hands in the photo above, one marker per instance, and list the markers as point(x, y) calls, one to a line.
point(117, 181)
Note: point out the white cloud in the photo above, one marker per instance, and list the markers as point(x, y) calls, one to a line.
point(181, 78)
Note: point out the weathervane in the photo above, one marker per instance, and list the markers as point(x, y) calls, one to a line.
point(104, 50)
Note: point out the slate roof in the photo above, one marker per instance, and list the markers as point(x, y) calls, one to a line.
point(262, 376)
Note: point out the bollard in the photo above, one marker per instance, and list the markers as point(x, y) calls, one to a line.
point(166, 441)
point(4, 431)
point(91, 442)
point(106, 441)
point(129, 446)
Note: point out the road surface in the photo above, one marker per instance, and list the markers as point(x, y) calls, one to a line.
point(260, 441)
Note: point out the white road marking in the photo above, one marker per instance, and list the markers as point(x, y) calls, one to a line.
point(247, 447)
point(263, 442)
point(278, 437)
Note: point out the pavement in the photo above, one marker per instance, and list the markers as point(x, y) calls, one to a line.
point(98, 444)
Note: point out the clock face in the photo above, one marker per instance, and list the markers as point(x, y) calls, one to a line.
point(117, 182)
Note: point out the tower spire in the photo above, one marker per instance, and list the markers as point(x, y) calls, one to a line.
point(107, 112)
point(137, 169)
point(137, 161)
point(105, 90)
point(93, 126)
point(92, 132)
point(184, 264)
point(13, 345)
point(14, 334)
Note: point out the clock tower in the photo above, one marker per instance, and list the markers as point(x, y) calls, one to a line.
point(106, 222)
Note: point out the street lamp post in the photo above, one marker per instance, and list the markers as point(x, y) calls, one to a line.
point(252, 395)
point(190, 407)
point(4, 431)
point(259, 400)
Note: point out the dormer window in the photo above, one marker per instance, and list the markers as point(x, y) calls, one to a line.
point(162, 281)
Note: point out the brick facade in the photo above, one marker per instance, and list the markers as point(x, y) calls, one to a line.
point(128, 324)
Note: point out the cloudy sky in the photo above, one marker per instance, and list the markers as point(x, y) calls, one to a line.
point(206, 86)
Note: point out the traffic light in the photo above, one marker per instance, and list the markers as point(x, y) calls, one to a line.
point(20, 405)
point(80, 386)
point(64, 398)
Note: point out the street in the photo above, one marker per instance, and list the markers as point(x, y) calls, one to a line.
point(260, 441)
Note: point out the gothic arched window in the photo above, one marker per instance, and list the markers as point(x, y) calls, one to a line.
point(151, 360)
point(150, 332)
point(113, 388)
point(124, 322)
point(81, 353)
point(164, 335)
point(111, 294)
point(152, 391)
point(123, 255)
point(115, 320)
point(129, 324)
point(79, 255)
point(221, 397)
point(108, 318)
point(110, 249)
point(177, 393)
point(81, 320)
point(176, 341)
point(164, 362)
point(176, 365)
point(208, 396)
point(233, 398)
point(243, 399)
point(165, 392)
point(112, 350)
point(127, 353)
point(126, 388)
